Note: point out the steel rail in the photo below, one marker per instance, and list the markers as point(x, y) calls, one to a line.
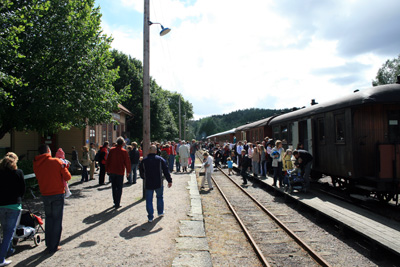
point(300, 242)
point(253, 243)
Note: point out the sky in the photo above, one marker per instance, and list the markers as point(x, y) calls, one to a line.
point(226, 55)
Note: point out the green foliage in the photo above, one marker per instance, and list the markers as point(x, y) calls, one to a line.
point(26, 166)
point(388, 73)
point(220, 123)
point(164, 113)
point(54, 66)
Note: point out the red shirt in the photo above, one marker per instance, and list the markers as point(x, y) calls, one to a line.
point(117, 161)
point(50, 173)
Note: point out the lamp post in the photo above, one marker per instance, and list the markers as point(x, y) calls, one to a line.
point(146, 74)
point(146, 77)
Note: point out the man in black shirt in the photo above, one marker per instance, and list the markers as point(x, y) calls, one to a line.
point(244, 163)
point(304, 159)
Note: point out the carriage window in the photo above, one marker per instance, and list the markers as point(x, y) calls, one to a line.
point(276, 133)
point(284, 131)
point(290, 133)
point(340, 128)
point(321, 130)
point(394, 126)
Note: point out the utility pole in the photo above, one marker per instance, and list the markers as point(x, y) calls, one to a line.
point(180, 124)
point(146, 83)
point(184, 127)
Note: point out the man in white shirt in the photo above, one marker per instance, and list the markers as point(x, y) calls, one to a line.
point(239, 148)
point(208, 168)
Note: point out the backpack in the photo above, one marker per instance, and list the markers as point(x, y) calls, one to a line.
point(98, 157)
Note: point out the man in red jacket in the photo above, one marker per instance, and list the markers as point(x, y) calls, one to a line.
point(51, 174)
point(116, 163)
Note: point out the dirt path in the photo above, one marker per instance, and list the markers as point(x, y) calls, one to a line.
point(95, 234)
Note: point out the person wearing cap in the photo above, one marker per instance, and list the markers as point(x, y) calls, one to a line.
point(152, 168)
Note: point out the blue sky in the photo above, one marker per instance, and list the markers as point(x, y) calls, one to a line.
point(227, 55)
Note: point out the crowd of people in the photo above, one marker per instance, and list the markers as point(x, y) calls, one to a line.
point(125, 158)
point(266, 157)
point(122, 158)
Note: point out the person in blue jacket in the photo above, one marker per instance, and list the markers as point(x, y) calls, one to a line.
point(152, 168)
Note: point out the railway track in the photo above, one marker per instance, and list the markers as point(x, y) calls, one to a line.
point(273, 242)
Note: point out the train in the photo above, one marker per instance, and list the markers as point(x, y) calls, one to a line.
point(354, 139)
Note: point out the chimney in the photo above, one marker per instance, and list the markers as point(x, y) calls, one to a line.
point(313, 102)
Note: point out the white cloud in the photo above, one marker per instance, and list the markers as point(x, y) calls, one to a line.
point(229, 55)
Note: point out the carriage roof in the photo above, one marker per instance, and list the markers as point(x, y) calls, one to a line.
point(380, 94)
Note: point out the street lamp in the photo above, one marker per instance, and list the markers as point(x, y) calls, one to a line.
point(163, 31)
point(146, 74)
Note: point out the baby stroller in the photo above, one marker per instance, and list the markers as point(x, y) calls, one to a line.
point(294, 181)
point(28, 228)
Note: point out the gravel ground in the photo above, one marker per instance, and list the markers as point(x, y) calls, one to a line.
point(95, 234)
point(229, 247)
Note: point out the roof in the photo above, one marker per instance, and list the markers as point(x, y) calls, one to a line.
point(254, 124)
point(380, 94)
point(125, 110)
point(222, 133)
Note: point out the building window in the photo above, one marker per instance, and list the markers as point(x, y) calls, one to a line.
point(104, 132)
point(321, 130)
point(92, 134)
point(340, 129)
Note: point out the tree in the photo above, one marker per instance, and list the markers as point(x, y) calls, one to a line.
point(186, 108)
point(164, 114)
point(131, 77)
point(388, 73)
point(54, 66)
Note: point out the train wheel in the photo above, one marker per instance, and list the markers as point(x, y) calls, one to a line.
point(384, 197)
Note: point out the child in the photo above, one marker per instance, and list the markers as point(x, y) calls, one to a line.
point(287, 160)
point(178, 163)
point(230, 166)
point(61, 155)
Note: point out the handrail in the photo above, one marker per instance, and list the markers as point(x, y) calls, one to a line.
point(29, 176)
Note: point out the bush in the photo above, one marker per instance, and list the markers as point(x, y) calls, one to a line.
point(26, 166)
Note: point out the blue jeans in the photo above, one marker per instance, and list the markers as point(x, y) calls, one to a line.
point(149, 202)
point(8, 219)
point(85, 175)
point(192, 156)
point(263, 168)
point(178, 166)
point(53, 209)
point(171, 160)
point(116, 186)
point(133, 173)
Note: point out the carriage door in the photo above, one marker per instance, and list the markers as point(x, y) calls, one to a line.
point(303, 134)
point(394, 139)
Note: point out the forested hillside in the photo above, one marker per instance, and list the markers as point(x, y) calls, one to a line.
point(220, 123)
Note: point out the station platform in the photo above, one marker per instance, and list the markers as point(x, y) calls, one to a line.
point(380, 231)
point(96, 234)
